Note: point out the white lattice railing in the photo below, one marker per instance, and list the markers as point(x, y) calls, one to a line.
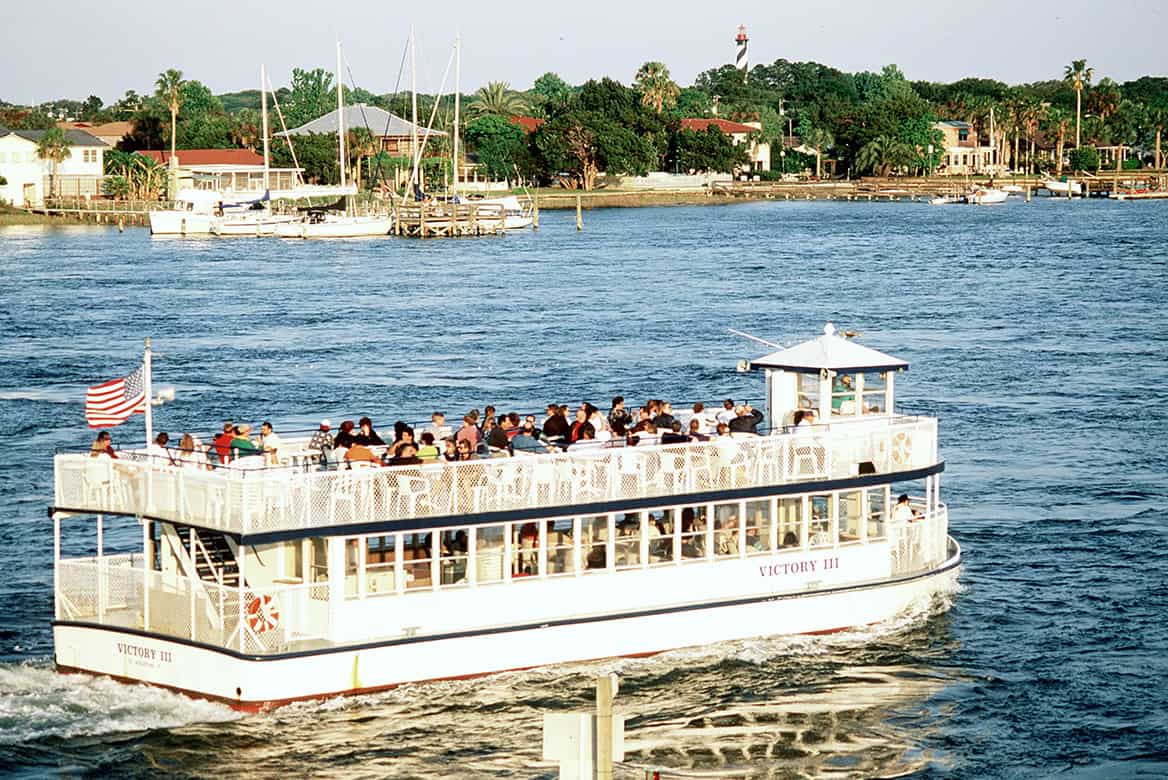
point(922, 544)
point(282, 498)
point(117, 590)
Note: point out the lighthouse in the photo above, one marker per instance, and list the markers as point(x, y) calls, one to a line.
point(740, 58)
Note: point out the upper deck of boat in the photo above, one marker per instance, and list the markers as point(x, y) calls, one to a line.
point(297, 498)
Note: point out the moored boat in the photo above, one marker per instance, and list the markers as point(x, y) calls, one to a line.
point(260, 584)
point(987, 196)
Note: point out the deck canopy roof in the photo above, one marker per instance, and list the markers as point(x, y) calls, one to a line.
point(830, 352)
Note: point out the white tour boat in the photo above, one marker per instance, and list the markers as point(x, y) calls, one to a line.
point(259, 586)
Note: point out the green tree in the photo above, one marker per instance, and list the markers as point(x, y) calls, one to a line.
point(91, 109)
point(317, 155)
point(550, 88)
point(882, 155)
point(693, 102)
point(1158, 120)
point(53, 147)
point(312, 96)
point(498, 145)
point(168, 89)
point(708, 151)
point(207, 131)
point(658, 90)
point(1058, 124)
point(580, 144)
point(819, 139)
point(1085, 158)
point(497, 98)
point(1078, 75)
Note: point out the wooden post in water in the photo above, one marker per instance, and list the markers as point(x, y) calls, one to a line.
point(535, 212)
point(1027, 192)
point(606, 687)
point(579, 213)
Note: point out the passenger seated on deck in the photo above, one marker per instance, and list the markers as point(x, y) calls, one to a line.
point(556, 427)
point(674, 434)
point(102, 446)
point(450, 451)
point(903, 512)
point(581, 419)
point(525, 440)
point(723, 429)
point(664, 419)
point(241, 444)
point(428, 451)
point(587, 439)
point(222, 442)
point(192, 455)
point(361, 456)
point(469, 432)
point(746, 420)
point(618, 414)
point(407, 455)
point(727, 413)
point(366, 435)
point(321, 438)
point(345, 437)
point(695, 431)
point(405, 436)
point(438, 427)
point(464, 450)
point(644, 417)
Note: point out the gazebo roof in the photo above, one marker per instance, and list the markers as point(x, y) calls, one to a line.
point(831, 352)
point(377, 121)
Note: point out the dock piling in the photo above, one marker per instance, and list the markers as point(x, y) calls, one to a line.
point(579, 213)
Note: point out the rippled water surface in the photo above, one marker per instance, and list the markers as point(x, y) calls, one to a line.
point(1035, 332)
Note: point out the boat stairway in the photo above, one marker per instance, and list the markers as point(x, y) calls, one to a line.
point(214, 557)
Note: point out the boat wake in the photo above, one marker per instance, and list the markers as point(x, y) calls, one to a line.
point(37, 702)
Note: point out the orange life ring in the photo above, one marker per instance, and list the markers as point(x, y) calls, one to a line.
point(263, 613)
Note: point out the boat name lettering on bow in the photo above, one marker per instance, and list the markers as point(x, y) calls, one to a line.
point(145, 653)
point(798, 567)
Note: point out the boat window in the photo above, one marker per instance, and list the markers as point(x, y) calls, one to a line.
point(380, 554)
point(819, 532)
point(659, 528)
point(452, 558)
point(850, 516)
point(560, 558)
point(790, 523)
point(594, 541)
point(489, 553)
point(809, 392)
point(416, 557)
point(877, 507)
point(693, 532)
point(524, 550)
point(627, 545)
point(352, 567)
point(319, 564)
point(726, 530)
point(875, 393)
point(843, 394)
point(758, 526)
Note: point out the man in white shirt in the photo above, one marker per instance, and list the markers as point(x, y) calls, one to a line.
point(902, 513)
point(727, 414)
point(438, 427)
point(271, 443)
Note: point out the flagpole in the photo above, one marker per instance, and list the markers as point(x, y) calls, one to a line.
point(149, 394)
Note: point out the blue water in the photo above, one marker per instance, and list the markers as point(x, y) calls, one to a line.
point(1035, 332)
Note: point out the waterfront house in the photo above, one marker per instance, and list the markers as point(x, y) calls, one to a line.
point(963, 153)
point(395, 135)
point(110, 132)
point(225, 170)
point(741, 133)
point(29, 177)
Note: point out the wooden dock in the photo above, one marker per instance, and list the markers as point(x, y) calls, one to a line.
point(448, 220)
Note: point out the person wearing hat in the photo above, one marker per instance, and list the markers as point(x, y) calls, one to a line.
point(321, 438)
point(242, 445)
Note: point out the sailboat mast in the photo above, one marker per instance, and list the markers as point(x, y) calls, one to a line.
point(340, 116)
point(457, 101)
point(993, 141)
point(414, 102)
point(264, 114)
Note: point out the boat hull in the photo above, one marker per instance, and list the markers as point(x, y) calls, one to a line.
point(179, 223)
point(372, 226)
point(265, 226)
point(252, 682)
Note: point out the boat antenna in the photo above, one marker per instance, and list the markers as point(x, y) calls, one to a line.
point(756, 338)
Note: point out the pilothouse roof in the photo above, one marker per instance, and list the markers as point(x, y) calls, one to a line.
point(832, 352)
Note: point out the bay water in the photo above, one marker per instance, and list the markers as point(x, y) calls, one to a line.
point(1035, 332)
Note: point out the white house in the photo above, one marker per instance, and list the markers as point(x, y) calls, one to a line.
point(28, 176)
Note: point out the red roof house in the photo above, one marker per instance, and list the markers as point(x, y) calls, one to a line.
point(199, 157)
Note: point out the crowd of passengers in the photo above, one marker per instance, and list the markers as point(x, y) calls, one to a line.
point(481, 435)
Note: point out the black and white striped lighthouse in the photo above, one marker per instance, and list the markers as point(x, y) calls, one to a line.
point(740, 58)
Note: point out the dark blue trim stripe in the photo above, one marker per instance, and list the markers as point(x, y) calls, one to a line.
point(953, 562)
point(561, 510)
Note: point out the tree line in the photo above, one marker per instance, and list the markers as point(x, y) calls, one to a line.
point(869, 123)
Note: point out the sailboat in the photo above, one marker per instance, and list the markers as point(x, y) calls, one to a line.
point(325, 224)
point(259, 219)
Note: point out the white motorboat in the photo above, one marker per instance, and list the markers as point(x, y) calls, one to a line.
point(946, 200)
point(1056, 187)
point(264, 585)
point(987, 196)
point(195, 210)
point(317, 224)
point(517, 214)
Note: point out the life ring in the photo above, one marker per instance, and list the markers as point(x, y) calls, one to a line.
point(901, 448)
point(263, 613)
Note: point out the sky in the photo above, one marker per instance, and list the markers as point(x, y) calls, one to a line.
point(75, 48)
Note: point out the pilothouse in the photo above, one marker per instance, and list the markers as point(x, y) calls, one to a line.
point(258, 582)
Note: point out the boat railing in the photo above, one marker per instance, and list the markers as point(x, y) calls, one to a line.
point(121, 591)
point(921, 544)
point(245, 496)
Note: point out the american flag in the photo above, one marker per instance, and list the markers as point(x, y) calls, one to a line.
point(111, 403)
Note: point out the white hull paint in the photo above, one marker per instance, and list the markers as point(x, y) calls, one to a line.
point(249, 226)
point(250, 682)
point(343, 227)
point(180, 223)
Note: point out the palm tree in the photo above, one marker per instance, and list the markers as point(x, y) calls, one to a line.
point(819, 138)
point(1058, 122)
point(168, 89)
point(1158, 118)
point(656, 87)
point(881, 155)
point(1032, 113)
point(54, 147)
point(1079, 76)
point(497, 98)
